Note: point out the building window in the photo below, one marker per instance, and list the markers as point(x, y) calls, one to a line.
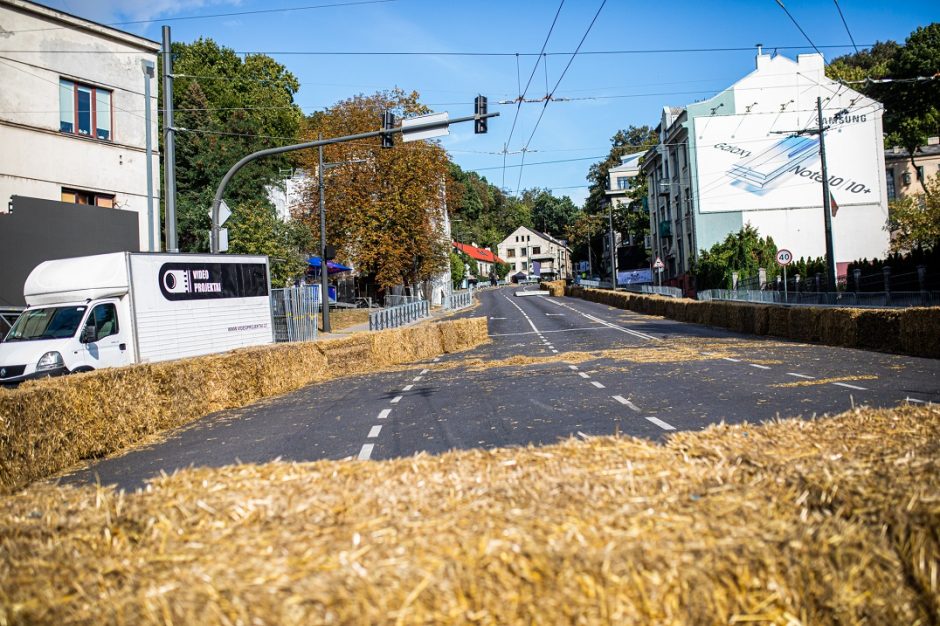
point(510, 253)
point(76, 196)
point(84, 110)
point(536, 249)
point(889, 180)
point(623, 182)
point(528, 237)
point(920, 173)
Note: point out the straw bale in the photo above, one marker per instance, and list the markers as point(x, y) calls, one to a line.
point(554, 287)
point(879, 329)
point(830, 521)
point(50, 424)
point(838, 326)
point(920, 332)
point(803, 324)
point(344, 318)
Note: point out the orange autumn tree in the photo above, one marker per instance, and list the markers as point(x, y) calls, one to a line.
point(385, 215)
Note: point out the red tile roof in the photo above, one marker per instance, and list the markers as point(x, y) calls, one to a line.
point(480, 254)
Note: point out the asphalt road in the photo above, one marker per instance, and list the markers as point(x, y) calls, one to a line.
point(555, 368)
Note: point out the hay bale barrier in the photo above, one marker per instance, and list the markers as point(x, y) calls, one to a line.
point(51, 424)
point(830, 521)
point(913, 331)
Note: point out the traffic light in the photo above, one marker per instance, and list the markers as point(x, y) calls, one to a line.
point(479, 108)
point(388, 123)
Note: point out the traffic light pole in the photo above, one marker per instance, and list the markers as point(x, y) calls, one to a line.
point(217, 200)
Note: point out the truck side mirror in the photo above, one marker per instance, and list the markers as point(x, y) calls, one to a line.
point(88, 334)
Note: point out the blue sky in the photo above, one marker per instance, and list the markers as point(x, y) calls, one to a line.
point(614, 90)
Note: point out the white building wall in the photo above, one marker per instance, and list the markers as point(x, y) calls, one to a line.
point(37, 159)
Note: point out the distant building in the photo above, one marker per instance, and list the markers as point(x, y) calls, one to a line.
point(630, 249)
point(907, 179)
point(525, 246)
point(486, 260)
point(289, 193)
point(73, 119)
point(733, 159)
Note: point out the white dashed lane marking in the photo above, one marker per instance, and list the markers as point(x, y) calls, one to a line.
point(800, 375)
point(914, 400)
point(407, 388)
point(760, 367)
point(384, 413)
point(583, 375)
point(728, 358)
point(416, 378)
point(660, 423)
point(396, 399)
point(626, 402)
point(573, 367)
point(851, 386)
point(597, 384)
point(366, 451)
point(425, 371)
point(375, 432)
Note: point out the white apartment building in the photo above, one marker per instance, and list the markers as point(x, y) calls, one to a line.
point(525, 246)
point(73, 114)
point(738, 158)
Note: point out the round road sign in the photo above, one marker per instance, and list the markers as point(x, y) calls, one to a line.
point(784, 257)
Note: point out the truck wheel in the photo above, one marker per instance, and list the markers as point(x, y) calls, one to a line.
point(84, 368)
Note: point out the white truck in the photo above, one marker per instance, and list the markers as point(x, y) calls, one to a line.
point(115, 309)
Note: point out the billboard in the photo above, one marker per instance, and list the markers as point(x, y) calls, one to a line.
point(750, 162)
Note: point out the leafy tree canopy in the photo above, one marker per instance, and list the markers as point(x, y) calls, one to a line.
point(915, 220)
point(229, 107)
point(385, 215)
point(256, 229)
point(744, 252)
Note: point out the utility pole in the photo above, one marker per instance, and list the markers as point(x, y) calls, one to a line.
point(827, 211)
point(169, 145)
point(324, 271)
point(824, 172)
point(613, 248)
point(148, 67)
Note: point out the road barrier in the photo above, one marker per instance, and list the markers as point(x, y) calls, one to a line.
point(459, 299)
point(396, 316)
point(913, 331)
point(50, 424)
point(294, 312)
point(858, 299)
point(659, 290)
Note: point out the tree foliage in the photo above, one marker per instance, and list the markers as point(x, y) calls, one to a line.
point(457, 270)
point(384, 216)
point(256, 229)
point(480, 212)
point(550, 214)
point(744, 252)
point(912, 107)
point(229, 107)
point(915, 220)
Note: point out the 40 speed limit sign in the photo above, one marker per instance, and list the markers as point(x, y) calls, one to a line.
point(784, 257)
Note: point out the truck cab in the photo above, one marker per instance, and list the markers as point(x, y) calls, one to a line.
point(64, 338)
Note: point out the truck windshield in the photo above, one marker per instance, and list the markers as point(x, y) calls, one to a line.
point(47, 323)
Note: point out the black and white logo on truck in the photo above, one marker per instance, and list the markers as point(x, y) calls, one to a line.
point(200, 281)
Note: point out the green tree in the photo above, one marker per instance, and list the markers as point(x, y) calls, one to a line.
point(872, 64)
point(915, 220)
point(624, 142)
point(744, 252)
point(457, 271)
point(502, 269)
point(550, 214)
point(226, 107)
point(256, 229)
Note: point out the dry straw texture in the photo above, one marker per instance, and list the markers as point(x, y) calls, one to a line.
point(833, 521)
point(51, 424)
point(904, 331)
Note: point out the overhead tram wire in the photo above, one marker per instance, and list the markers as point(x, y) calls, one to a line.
point(523, 93)
point(548, 97)
point(846, 24)
point(795, 23)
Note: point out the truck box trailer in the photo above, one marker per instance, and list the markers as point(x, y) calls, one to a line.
point(115, 309)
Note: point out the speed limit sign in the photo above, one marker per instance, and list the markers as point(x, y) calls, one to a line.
point(784, 257)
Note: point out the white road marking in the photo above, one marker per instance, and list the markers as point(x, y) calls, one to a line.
point(423, 372)
point(623, 400)
point(728, 358)
point(375, 432)
point(915, 400)
point(561, 330)
point(436, 359)
point(554, 350)
point(366, 451)
point(660, 423)
point(583, 375)
point(396, 399)
point(800, 375)
point(497, 318)
point(384, 413)
point(573, 367)
point(603, 322)
point(555, 314)
point(407, 388)
point(416, 378)
point(597, 384)
point(760, 367)
point(851, 386)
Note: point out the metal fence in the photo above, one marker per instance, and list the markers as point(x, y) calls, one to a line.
point(828, 298)
point(672, 292)
point(459, 299)
point(396, 316)
point(294, 313)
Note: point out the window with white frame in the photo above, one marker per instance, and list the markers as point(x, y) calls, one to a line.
point(84, 110)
